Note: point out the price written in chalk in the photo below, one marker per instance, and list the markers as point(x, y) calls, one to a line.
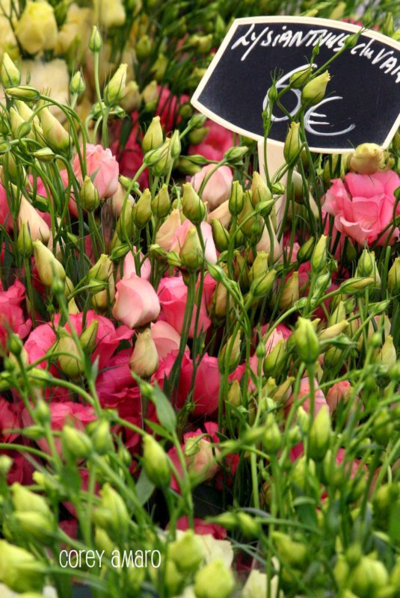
point(362, 101)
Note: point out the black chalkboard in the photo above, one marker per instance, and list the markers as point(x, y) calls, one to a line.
point(362, 102)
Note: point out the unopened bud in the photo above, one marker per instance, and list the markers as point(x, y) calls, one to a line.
point(115, 89)
point(314, 91)
point(320, 434)
point(69, 356)
point(319, 255)
point(49, 268)
point(263, 284)
point(191, 253)
point(53, 132)
point(89, 195)
point(77, 85)
point(259, 190)
point(95, 41)
point(187, 553)
point(307, 341)
point(215, 580)
point(10, 75)
point(292, 145)
point(236, 200)
point(220, 235)
point(144, 359)
point(192, 206)
point(141, 212)
point(156, 462)
point(367, 159)
point(161, 204)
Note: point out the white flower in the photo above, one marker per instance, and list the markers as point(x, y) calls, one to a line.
point(51, 78)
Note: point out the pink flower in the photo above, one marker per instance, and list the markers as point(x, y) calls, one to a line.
point(136, 302)
point(130, 156)
point(168, 108)
point(202, 527)
point(206, 386)
point(9, 420)
point(217, 141)
point(304, 391)
point(363, 205)
point(5, 216)
point(11, 314)
point(218, 186)
point(102, 167)
point(340, 391)
point(165, 337)
point(130, 266)
point(185, 376)
point(173, 297)
point(114, 379)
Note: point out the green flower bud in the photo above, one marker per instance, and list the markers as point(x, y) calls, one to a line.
point(5, 465)
point(112, 514)
point(394, 277)
point(275, 360)
point(49, 268)
point(143, 48)
point(161, 204)
point(234, 155)
point(367, 159)
point(54, 133)
point(263, 284)
point(196, 136)
point(235, 394)
point(191, 253)
point(175, 145)
point(220, 235)
point(272, 437)
point(114, 91)
point(236, 200)
point(77, 85)
point(24, 241)
point(36, 525)
point(319, 255)
point(100, 435)
point(25, 500)
point(356, 285)
point(292, 145)
point(259, 190)
point(89, 195)
point(306, 340)
point(299, 79)
point(69, 355)
point(154, 136)
point(42, 412)
point(156, 462)
point(76, 443)
point(19, 570)
point(296, 554)
point(260, 265)
point(306, 250)
point(141, 212)
point(192, 206)
point(231, 347)
point(320, 434)
point(215, 580)
point(290, 292)
point(103, 542)
point(187, 553)
point(95, 41)
point(314, 91)
point(368, 577)
point(88, 338)
point(10, 75)
point(45, 155)
point(23, 92)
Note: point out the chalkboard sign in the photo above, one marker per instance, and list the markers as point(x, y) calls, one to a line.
point(362, 101)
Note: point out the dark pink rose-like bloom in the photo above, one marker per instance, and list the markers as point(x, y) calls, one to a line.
point(362, 206)
point(202, 527)
point(102, 167)
point(11, 314)
point(115, 379)
point(172, 293)
point(217, 141)
point(168, 108)
point(130, 156)
point(206, 386)
point(5, 216)
point(9, 419)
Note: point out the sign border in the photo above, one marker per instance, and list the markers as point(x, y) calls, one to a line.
point(350, 27)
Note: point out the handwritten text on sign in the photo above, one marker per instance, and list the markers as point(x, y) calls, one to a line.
point(362, 101)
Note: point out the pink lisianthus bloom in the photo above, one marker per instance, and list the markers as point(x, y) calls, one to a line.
point(200, 455)
point(21, 470)
point(172, 293)
point(202, 527)
point(11, 314)
point(304, 393)
point(65, 413)
point(180, 235)
point(136, 302)
point(9, 419)
point(115, 379)
point(5, 215)
point(129, 267)
point(362, 206)
point(102, 167)
point(218, 187)
point(165, 337)
point(130, 156)
point(217, 141)
point(185, 376)
point(168, 108)
point(206, 386)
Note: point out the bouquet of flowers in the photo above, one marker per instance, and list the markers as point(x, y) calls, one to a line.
point(199, 382)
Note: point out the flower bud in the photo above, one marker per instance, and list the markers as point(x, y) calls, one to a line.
point(19, 127)
point(150, 96)
point(191, 253)
point(235, 154)
point(290, 293)
point(319, 255)
point(394, 277)
point(292, 145)
point(45, 155)
point(367, 159)
point(192, 206)
point(115, 89)
point(75, 443)
point(54, 133)
point(25, 500)
point(23, 92)
point(36, 525)
point(175, 145)
point(263, 284)
point(333, 331)
point(275, 360)
point(259, 190)
point(356, 285)
point(387, 355)
point(10, 75)
point(236, 200)
point(144, 359)
point(161, 204)
point(220, 235)
point(95, 41)
point(143, 48)
point(313, 92)
point(156, 462)
point(88, 338)
point(235, 394)
point(141, 212)
point(299, 79)
point(187, 553)
point(112, 514)
point(368, 577)
point(260, 265)
point(231, 347)
point(89, 195)
point(69, 359)
point(49, 268)
point(296, 554)
point(77, 85)
point(272, 436)
point(160, 159)
point(215, 580)
point(306, 340)
point(131, 99)
point(101, 436)
point(320, 434)
point(38, 229)
point(19, 570)
point(248, 217)
point(24, 241)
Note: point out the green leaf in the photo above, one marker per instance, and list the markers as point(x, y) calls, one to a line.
point(165, 412)
point(144, 488)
